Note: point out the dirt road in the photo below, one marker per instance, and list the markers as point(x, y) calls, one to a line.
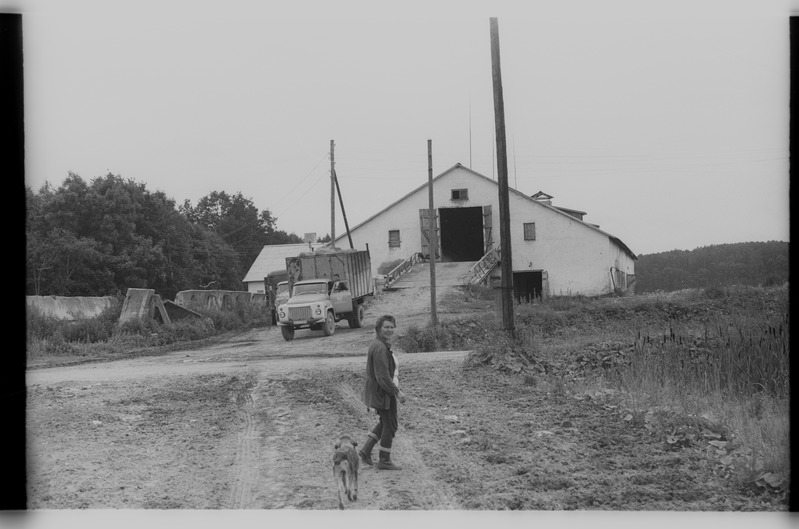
point(250, 423)
point(113, 434)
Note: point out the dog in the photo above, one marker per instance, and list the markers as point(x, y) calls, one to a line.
point(345, 469)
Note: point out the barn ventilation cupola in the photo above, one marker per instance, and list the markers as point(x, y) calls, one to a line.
point(544, 198)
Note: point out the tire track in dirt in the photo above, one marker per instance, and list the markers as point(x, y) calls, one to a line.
point(246, 458)
point(414, 487)
point(257, 482)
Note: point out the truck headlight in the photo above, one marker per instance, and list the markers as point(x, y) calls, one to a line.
point(318, 310)
point(281, 312)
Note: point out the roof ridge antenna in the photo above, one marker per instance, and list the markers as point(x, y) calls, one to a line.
point(515, 178)
point(470, 129)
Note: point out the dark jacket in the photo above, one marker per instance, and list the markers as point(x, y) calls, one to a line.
point(379, 386)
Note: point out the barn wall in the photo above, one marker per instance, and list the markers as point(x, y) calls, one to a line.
point(255, 287)
point(404, 216)
point(577, 257)
point(574, 255)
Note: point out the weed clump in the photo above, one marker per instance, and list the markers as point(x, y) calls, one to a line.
point(448, 336)
point(509, 351)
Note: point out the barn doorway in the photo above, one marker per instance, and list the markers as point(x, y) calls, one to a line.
point(528, 285)
point(461, 234)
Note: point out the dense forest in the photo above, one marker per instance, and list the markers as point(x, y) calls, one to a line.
point(102, 237)
point(747, 263)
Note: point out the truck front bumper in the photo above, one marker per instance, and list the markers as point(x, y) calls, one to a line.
point(301, 324)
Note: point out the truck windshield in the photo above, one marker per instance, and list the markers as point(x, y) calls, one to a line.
point(310, 288)
point(282, 288)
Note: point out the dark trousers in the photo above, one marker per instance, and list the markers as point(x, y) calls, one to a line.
point(388, 425)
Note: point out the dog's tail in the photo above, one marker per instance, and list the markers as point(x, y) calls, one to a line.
point(344, 469)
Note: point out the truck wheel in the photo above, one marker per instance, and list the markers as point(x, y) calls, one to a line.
point(330, 324)
point(288, 332)
point(356, 319)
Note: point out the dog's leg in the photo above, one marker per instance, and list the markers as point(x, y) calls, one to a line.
point(355, 485)
point(341, 488)
point(349, 486)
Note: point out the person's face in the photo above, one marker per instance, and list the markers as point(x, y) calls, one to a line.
point(386, 331)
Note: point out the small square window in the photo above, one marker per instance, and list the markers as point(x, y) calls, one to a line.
point(460, 194)
point(529, 231)
point(393, 238)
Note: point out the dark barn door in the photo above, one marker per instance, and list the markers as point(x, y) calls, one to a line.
point(528, 285)
point(462, 234)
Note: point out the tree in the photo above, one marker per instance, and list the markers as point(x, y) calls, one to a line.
point(239, 224)
point(103, 237)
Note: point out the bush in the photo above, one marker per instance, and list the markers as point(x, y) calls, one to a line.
point(387, 266)
point(448, 336)
point(515, 352)
point(39, 326)
point(715, 292)
point(183, 331)
point(54, 345)
point(418, 340)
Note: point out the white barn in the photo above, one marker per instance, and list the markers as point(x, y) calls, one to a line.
point(272, 259)
point(554, 251)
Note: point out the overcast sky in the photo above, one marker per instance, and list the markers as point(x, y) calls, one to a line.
point(667, 123)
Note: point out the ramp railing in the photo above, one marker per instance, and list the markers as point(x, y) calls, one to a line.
point(401, 268)
point(479, 272)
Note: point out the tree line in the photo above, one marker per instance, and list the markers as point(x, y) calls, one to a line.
point(747, 263)
point(102, 237)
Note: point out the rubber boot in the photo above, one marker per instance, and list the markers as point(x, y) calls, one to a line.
point(366, 450)
point(385, 462)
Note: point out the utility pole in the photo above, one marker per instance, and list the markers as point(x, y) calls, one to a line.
point(433, 235)
point(506, 262)
point(332, 195)
point(343, 212)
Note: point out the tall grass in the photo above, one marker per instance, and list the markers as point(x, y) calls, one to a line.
point(734, 374)
point(715, 360)
point(740, 357)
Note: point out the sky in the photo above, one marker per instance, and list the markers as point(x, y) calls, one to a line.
point(667, 122)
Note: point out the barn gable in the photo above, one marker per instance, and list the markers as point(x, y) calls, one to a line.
point(553, 249)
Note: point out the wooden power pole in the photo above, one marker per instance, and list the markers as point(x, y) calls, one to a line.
point(332, 195)
point(506, 262)
point(433, 235)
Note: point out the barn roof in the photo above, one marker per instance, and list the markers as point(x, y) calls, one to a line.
point(273, 257)
point(613, 238)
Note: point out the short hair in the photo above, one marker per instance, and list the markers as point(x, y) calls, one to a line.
point(383, 319)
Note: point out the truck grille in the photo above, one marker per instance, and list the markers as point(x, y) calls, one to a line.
point(300, 313)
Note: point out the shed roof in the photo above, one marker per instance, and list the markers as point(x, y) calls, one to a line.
point(273, 257)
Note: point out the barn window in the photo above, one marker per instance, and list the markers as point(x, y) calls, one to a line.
point(460, 194)
point(393, 238)
point(529, 231)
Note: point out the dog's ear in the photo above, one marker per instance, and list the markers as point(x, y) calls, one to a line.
point(338, 445)
point(354, 443)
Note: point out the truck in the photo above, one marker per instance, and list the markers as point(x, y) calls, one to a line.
point(326, 286)
point(275, 287)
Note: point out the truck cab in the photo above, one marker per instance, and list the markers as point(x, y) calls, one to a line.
point(318, 304)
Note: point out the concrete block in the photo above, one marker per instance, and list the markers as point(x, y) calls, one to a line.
point(137, 304)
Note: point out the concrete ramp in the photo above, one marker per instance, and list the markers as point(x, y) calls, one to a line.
point(447, 275)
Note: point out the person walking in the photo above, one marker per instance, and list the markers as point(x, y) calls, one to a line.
point(381, 392)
